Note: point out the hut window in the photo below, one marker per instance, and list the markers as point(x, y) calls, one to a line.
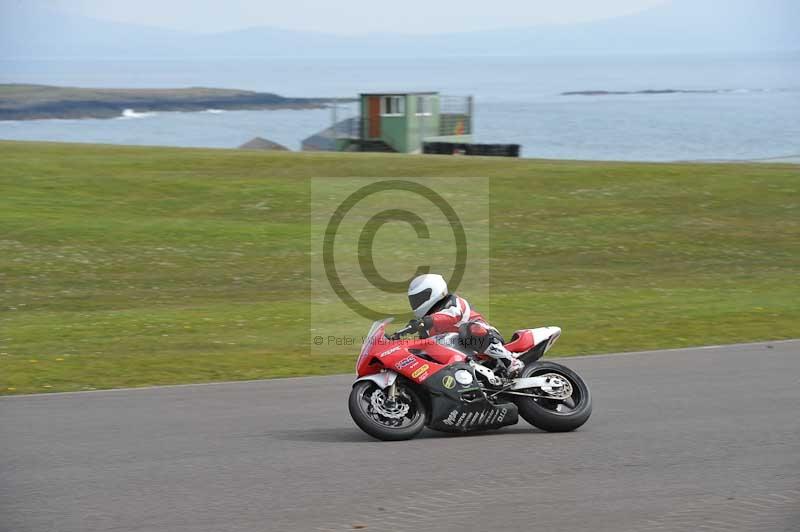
point(423, 105)
point(393, 105)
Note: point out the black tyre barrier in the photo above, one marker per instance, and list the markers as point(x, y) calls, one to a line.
point(459, 148)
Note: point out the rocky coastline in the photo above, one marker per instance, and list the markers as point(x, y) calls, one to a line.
point(34, 102)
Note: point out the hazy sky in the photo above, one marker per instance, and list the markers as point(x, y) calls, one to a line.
point(349, 16)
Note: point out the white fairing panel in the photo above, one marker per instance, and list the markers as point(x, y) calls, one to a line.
point(549, 334)
point(383, 379)
point(529, 382)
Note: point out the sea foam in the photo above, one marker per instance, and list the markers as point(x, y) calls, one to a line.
point(130, 113)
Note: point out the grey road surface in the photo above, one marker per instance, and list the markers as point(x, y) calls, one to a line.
point(694, 439)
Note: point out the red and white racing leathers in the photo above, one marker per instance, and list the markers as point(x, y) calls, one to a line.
point(450, 314)
point(455, 311)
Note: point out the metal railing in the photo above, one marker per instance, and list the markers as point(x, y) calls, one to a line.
point(455, 115)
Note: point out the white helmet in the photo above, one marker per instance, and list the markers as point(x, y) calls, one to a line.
point(425, 291)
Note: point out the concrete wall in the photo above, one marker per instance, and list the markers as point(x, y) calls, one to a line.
point(464, 139)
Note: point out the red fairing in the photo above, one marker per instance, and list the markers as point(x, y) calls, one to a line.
point(448, 319)
point(521, 341)
point(396, 355)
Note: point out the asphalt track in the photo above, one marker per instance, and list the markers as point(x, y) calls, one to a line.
point(695, 439)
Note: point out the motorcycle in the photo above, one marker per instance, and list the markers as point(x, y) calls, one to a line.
point(404, 385)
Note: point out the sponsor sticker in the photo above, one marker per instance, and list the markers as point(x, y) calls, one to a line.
point(409, 362)
point(476, 418)
point(451, 417)
point(420, 370)
point(390, 351)
point(448, 382)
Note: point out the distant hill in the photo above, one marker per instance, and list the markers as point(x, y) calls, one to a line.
point(679, 26)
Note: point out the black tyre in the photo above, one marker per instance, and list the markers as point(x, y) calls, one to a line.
point(371, 411)
point(555, 415)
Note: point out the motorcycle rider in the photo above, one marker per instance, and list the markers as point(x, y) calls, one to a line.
point(438, 311)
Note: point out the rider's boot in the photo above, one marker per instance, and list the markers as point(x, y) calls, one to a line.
point(512, 364)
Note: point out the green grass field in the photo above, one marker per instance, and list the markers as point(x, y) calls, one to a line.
point(127, 266)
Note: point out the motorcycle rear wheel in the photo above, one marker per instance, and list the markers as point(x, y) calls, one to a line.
point(555, 415)
point(375, 423)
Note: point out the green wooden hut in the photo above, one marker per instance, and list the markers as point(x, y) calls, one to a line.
point(396, 122)
point(404, 120)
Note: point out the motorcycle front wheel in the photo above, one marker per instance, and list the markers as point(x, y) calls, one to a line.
point(378, 416)
point(562, 413)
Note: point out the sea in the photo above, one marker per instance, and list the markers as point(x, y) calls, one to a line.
point(722, 107)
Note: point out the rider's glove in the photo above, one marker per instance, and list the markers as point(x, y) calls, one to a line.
point(420, 326)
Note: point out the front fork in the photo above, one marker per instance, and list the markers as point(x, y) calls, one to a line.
point(391, 394)
point(391, 391)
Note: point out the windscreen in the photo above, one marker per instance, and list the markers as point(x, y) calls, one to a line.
point(375, 333)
